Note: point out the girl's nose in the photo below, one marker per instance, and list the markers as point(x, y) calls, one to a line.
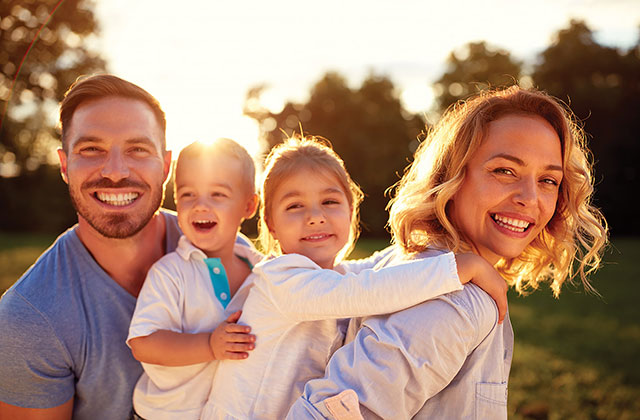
point(316, 216)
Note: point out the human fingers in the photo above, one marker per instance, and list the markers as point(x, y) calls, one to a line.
point(239, 347)
point(235, 355)
point(234, 317)
point(239, 338)
point(237, 328)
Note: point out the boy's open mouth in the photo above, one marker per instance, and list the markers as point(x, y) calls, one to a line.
point(203, 224)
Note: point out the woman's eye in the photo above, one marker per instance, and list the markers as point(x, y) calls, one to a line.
point(503, 171)
point(550, 181)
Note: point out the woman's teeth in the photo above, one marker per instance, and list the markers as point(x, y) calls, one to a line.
point(515, 225)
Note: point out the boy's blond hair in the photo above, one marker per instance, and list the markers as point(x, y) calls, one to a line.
point(576, 232)
point(298, 153)
point(227, 148)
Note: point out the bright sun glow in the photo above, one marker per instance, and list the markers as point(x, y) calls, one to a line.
point(200, 57)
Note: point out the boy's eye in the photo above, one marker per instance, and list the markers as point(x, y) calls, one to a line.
point(330, 202)
point(186, 195)
point(293, 206)
point(218, 194)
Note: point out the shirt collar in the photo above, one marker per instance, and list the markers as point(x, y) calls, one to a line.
point(187, 251)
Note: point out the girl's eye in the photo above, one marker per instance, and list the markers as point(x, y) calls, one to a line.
point(186, 195)
point(330, 202)
point(293, 206)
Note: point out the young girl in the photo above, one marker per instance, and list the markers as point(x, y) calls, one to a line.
point(309, 217)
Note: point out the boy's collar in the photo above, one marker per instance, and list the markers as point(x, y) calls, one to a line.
point(186, 250)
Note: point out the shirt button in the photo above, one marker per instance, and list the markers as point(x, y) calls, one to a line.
point(216, 270)
point(223, 296)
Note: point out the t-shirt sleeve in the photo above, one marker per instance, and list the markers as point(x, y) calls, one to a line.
point(35, 366)
point(159, 303)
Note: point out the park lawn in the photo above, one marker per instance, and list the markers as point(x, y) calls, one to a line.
point(575, 357)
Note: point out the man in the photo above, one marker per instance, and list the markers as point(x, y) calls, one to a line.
point(63, 325)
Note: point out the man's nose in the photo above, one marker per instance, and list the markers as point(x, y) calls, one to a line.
point(115, 168)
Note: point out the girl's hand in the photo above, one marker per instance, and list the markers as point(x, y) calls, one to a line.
point(473, 268)
point(230, 340)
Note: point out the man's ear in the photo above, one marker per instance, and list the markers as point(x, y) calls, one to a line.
point(252, 206)
point(63, 165)
point(166, 164)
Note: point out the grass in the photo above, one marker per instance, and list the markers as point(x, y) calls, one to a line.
point(575, 357)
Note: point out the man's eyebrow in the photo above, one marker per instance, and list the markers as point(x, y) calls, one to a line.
point(138, 140)
point(521, 162)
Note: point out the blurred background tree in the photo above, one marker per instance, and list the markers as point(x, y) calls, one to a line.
point(367, 126)
point(473, 68)
point(602, 86)
point(32, 82)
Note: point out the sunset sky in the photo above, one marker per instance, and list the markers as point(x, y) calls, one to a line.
point(200, 57)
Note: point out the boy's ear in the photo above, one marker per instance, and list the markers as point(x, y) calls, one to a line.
point(252, 206)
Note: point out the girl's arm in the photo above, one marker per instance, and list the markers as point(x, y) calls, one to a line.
point(356, 266)
point(169, 348)
point(302, 291)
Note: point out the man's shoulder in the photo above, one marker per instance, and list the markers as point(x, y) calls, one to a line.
point(45, 268)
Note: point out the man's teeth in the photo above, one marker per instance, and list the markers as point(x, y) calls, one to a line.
point(515, 225)
point(117, 199)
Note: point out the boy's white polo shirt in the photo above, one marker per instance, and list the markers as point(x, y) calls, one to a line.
point(178, 295)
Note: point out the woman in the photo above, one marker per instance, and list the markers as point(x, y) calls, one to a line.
point(504, 175)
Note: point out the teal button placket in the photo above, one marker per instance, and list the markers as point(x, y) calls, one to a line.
point(219, 280)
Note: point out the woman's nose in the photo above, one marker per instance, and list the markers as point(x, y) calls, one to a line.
point(527, 192)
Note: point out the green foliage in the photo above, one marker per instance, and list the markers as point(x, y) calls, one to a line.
point(32, 194)
point(367, 127)
point(474, 68)
point(574, 358)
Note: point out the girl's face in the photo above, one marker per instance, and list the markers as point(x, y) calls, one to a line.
point(510, 189)
point(310, 215)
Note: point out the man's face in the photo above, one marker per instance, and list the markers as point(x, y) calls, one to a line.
point(115, 166)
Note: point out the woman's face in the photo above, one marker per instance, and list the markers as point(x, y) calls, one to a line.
point(510, 190)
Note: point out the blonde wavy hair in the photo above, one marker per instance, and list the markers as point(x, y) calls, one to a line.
point(298, 153)
point(577, 231)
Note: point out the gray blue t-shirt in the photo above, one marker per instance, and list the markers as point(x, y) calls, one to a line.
point(63, 327)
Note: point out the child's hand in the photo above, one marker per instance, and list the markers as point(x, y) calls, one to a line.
point(230, 340)
point(474, 268)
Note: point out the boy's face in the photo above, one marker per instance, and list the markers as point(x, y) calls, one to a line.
point(212, 201)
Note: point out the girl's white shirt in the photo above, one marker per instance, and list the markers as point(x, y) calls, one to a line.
point(298, 312)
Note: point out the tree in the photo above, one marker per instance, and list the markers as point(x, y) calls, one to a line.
point(475, 67)
point(602, 86)
point(367, 127)
point(44, 49)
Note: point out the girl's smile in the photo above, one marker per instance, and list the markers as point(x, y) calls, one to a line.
point(311, 216)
